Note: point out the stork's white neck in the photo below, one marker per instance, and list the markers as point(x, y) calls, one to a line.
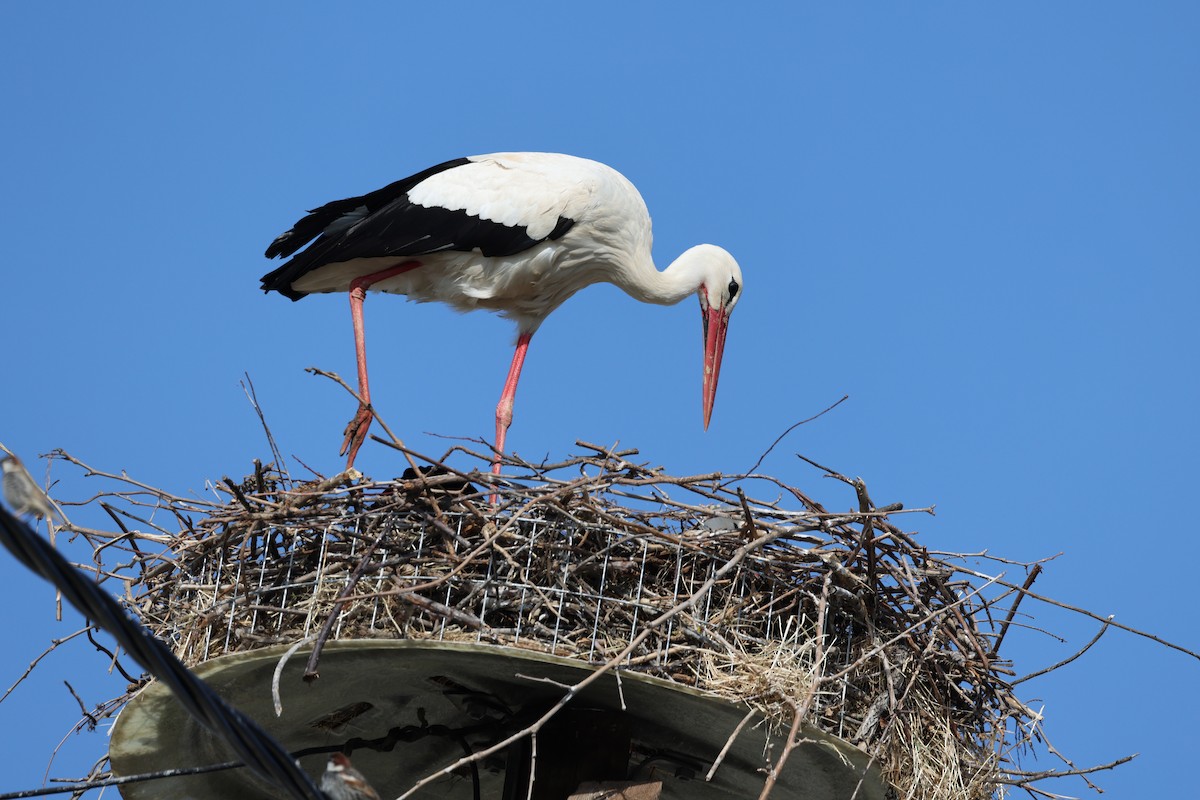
point(682, 278)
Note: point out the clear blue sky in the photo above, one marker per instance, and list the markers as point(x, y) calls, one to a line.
point(980, 221)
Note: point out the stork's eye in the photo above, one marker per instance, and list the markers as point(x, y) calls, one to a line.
point(733, 289)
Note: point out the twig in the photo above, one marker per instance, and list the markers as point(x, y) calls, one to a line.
point(92, 721)
point(791, 428)
point(1067, 660)
point(728, 744)
point(1012, 611)
point(112, 655)
point(1019, 778)
point(276, 700)
point(53, 644)
point(252, 396)
point(237, 493)
point(1109, 620)
point(310, 669)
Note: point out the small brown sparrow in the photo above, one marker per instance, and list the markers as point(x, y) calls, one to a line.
point(21, 491)
point(342, 781)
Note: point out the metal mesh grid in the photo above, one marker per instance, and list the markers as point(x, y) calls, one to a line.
point(554, 584)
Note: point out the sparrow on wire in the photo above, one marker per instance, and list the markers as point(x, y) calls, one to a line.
point(21, 491)
point(342, 781)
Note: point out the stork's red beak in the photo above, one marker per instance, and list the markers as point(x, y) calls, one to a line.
point(716, 323)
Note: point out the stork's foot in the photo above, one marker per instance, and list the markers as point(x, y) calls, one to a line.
point(356, 434)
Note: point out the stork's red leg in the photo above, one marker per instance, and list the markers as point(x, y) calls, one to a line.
point(505, 407)
point(356, 431)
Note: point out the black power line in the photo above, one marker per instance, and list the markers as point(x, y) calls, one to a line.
point(253, 745)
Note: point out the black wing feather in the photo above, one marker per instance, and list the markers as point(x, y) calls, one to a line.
point(318, 219)
point(385, 223)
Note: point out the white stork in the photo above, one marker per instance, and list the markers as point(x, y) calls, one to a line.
point(516, 233)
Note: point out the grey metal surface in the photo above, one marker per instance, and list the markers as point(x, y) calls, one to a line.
point(383, 685)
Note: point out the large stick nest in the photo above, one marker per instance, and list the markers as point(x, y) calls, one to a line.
point(839, 618)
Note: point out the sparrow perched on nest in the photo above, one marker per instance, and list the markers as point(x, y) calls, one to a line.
point(342, 781)
point(21, 491)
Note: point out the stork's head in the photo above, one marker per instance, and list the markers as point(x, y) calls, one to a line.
point(719, 292)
